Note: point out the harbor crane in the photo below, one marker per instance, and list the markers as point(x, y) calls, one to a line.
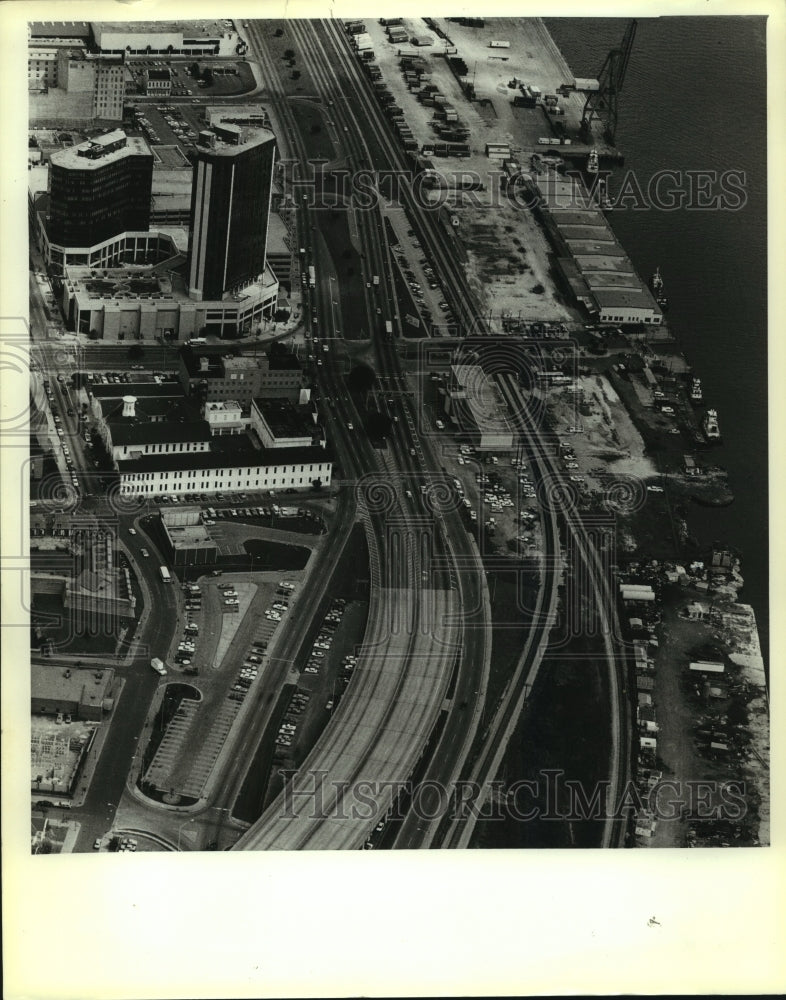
point(601, 103)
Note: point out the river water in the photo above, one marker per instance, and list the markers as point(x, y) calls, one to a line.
point(694, 99)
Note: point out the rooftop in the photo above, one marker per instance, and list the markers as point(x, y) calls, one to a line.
point(228, 451)
point(285, 419)
point(223, 359)
point(634, 298)
point(227, 140)
point(96, 153)
point(188, 29)
point(240, 114)
point(59, 29)
point(81, 686)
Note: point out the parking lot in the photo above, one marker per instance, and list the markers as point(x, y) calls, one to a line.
point(229, 665)
point(168, 124)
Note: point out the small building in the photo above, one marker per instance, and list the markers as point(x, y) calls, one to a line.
point(707, 667)
point(189, 541)
point(82, 694)
point(158, 82)
point(225, 417)
point(280, 423)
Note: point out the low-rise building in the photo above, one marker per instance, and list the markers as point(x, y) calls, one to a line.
point(233, 463)
point(74, 85)
point(280, 423)
point(168, 38)
point(132, 428)
point(82, 694)
point(188, 541)
point(225, 417)
point(215, 373)
point(158, 82)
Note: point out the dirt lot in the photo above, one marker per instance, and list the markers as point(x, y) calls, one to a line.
point(606, 438)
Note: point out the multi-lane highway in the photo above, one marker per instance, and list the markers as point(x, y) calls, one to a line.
point(393, 702)
point(384, 153)
point(429, 627)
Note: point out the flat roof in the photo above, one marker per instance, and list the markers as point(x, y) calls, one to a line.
point(58, 29)
point(228, 451)
point(207, 28)
point(578, 217)
point(38, 179)
point(82, 687)
point(148, 388)
point(611, 280)
point(240, 112)
point(604, 262)
point(249, 137)
point(590, 247)
point(638, 298)
point(599, 233)
point(71, 158)
point(284, 418)
point(191, 536)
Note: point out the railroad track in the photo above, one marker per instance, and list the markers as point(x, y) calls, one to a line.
point(604, 598)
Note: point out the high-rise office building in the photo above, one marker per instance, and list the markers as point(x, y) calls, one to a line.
point(230, 205)
point(99, 189)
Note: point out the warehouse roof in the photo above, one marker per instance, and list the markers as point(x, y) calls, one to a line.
point(228, 451)
point(58, 683)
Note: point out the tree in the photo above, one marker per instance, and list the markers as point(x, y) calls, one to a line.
point(207, 76)
point(193, 69)
point(295, 74)
point(316, 485)
point(289, 55)
point(279, 32)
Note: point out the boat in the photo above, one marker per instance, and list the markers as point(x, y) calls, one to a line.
point(593, 161)
point(656, 284)
point(696, 393)
point(710, 427)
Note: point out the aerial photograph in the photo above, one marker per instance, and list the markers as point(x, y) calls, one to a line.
point(398, 434)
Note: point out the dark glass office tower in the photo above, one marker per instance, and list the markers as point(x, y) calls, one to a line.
point(100, 189)
point(230, 205)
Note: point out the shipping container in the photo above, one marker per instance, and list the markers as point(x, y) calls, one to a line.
point(499, 45)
